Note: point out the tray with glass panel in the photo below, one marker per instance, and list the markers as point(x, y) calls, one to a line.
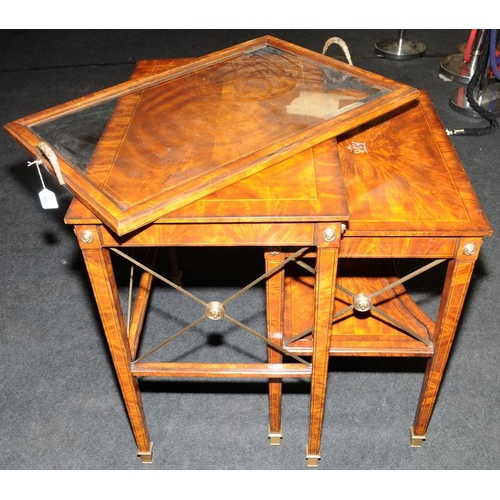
point(134, 152)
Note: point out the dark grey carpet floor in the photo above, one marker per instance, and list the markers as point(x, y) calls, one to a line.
point(60, 406)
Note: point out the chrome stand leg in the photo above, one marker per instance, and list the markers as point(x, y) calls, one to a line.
point(401, 48)
point(486, 93)
point(461, 67)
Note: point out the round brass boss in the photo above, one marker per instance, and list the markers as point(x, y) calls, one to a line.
point(87, 237)
point(362, 302)
point(214, 311)
point(469, 249)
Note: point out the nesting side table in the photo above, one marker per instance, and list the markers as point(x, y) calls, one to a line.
point(291, 209)
point(333, 171)
point(409, 197)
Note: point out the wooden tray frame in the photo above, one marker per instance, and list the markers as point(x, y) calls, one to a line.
point(123, 220)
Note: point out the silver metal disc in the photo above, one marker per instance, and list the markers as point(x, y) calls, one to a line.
point(400, 49)
point(489, 100)
point(455, 68)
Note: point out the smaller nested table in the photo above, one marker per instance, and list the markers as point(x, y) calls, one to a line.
point(297, 204)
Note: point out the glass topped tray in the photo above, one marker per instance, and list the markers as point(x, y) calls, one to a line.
point(134, 152)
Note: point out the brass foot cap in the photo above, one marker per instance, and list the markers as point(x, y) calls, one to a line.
point(275, 440)
point(415, 440)
point(146, 456)
point(275, 437)
point(312, 460)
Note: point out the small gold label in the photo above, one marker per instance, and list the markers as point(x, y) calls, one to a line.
point(358, 148)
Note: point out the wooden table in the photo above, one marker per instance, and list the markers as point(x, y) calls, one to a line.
point(308, 213)
point(297, 204)
point(409, 198)
point(330, 218)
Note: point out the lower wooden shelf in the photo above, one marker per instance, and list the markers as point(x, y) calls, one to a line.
point(393, 326)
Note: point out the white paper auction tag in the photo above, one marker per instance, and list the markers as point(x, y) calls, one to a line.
point(48, 199)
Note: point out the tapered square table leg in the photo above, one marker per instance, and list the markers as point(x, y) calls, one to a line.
point(100, 272)
point(457, 282)
point(324, 293)
point(275, 287)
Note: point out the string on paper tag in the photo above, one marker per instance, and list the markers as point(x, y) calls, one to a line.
point(47, 198)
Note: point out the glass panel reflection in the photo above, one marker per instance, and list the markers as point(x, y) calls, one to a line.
point(192, 125)
point(76, 135)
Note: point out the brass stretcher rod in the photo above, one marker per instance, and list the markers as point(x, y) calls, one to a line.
point(199, 301)
point(372, 295)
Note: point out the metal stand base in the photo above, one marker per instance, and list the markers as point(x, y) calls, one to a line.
point(489, 100)
point(455, 68)
point(400, 49)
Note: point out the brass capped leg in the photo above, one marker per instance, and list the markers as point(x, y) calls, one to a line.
point(146, 456)
point(312, 460)
point(415, 441)
point(275, 438)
